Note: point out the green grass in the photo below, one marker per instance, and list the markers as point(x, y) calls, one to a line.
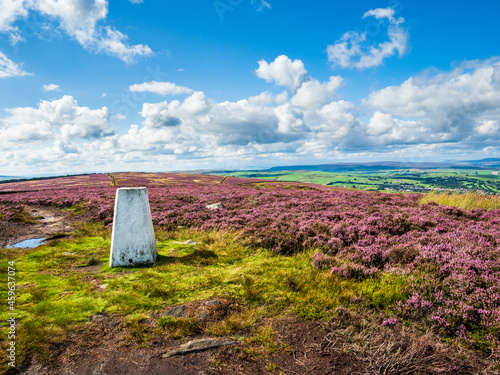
point(467, 201)
point(77, 209)
point(179, 328)
point(58, 287)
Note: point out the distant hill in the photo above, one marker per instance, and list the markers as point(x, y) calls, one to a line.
point(488, 160)
point(484, 163)
point(359, 167)
point(388, 165)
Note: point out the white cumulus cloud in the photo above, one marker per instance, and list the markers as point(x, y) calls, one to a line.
point(351, 51)
point(380, 123)
point(314, 94)
point(450, 102)
point(456, 106)
point(290, 120)
point(283, 71)
point(57, 119)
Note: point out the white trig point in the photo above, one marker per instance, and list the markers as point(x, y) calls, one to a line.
point(133, 239)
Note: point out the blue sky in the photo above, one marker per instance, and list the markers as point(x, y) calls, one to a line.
point(160, 85)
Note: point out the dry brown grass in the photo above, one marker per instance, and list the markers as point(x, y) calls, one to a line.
point(467, 201)
point(399, 349)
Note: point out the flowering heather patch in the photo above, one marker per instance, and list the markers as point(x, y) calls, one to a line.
point(17, 213)
point(448, 256)
point(12, 213)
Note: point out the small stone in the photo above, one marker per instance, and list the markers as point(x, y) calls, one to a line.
point(213, 302)
point(215, 206)
point(176, 312)
point(69, 254)
point(103, 286)
point(198, 345)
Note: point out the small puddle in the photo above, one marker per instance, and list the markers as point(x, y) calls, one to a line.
point(27, 244)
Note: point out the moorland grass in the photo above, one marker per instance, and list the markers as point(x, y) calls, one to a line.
point(58, 288)
point(467, 201)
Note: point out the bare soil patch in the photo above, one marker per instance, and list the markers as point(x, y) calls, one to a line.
point(51, 222)
point(105, 346)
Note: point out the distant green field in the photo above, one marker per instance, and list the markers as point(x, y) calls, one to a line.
point(406, 180)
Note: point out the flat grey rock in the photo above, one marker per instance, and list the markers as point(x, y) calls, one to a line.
point(198, 346)
point(176, 312)
point(215, 206)
point(213, 302)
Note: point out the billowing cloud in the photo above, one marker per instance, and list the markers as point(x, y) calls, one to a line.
point(283, 71)
point(170, 113)
point(380, 123)
point(314, 94)
point(60, 119)
point(160, 114)
point(351, 51)
point(80, 19)
point(266, 98)
point(338, 118)
point(162, 88)
point(450, 106)
point(290, 120)
point(448, 113)
point(8, 68)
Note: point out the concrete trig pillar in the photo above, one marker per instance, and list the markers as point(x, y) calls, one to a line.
point(133, 239)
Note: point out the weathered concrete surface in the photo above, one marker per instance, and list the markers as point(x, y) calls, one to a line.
point(198, 345)
point(133, 239)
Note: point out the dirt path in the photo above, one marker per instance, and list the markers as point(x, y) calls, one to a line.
point(52, 221)
point(100, 349)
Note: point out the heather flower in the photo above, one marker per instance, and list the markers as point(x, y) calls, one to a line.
point(390, 322)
